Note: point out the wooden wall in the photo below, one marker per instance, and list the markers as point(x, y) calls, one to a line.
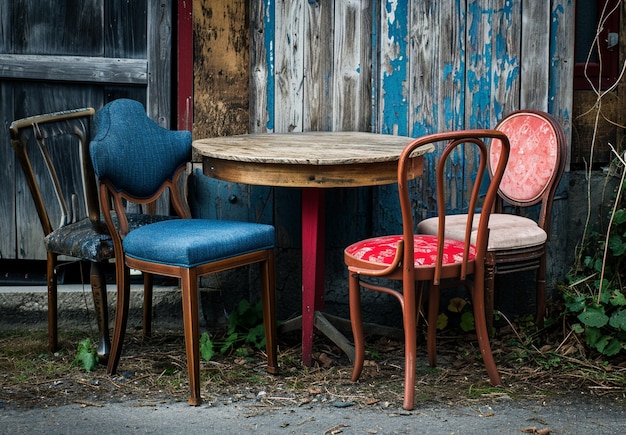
point(405, 67)
point(221, 68)
point(65, 55)
point(408, 67)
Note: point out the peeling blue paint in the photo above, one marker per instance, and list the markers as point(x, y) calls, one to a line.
point(269, 35)
point(375, 66)
point(555, 57)
point(395, 102)
point(482, 61)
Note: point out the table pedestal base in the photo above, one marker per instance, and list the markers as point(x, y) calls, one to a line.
point(324, 324)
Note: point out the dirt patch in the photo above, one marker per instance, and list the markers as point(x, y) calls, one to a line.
point(533, 365)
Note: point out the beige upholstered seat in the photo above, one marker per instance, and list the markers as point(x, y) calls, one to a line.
point(507, 231)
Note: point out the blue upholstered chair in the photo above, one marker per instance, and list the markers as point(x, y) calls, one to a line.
point(136, 161)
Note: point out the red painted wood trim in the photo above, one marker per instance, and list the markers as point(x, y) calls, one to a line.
point(313, 225)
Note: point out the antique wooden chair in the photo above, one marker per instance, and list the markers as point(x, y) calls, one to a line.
point(136, 160)
point(417, 259)
point(518, 243)
point(53, 152)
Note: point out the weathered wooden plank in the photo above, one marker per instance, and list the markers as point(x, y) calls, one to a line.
point(425, 72)
point(393, 91)
point(6, 12)
point(159, 90)
point(57, 28)
point(318, 64)
point(394, 67)
point(352, 74)
point(126, 29)
point(535, 66)
point(452, 48)
point(74, 68)
point(262, 73)
point(7, 175)
point(507, 58)
point(7, 171)
point(289, 56)
point(478, 64)
point(439, 91)
point(221, 70)
point(560, 98)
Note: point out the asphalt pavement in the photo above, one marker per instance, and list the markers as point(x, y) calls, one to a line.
point(573, 414)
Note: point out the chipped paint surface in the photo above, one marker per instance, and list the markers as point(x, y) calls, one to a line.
point(435, 65)
point(394, 68)
point(269, 34)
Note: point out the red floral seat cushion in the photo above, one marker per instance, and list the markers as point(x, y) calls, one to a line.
point(382, 250)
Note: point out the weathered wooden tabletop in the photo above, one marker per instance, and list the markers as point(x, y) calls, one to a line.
point(311, 159)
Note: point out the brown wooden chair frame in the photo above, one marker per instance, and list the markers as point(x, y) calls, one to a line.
point(45, 129)
point(502, 259)
point(507, 261)
point(403, 267)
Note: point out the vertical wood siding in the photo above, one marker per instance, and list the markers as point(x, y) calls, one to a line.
point(407, 67)
point(417, 66)
point(65, 55)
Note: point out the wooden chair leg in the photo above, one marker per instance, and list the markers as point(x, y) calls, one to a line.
point(268, 300)
point(478, 301)
point(357, 325)
point(148, 284)
point(99, 291)
point(433, 313)
point(490, 272)
point(189, 285)
point(51, 278)
point(409, 317)
point(541, 292)
point(122, 279)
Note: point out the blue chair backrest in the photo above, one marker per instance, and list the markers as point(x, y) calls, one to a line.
point(132, 152)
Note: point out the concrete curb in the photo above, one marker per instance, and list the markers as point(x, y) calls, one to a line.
point(27, 307)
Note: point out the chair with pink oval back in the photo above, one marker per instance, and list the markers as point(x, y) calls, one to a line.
point(535, 167)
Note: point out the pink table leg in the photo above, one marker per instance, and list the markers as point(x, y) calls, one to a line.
point(313, 223)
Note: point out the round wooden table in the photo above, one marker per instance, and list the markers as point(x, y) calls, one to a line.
point(312, 161)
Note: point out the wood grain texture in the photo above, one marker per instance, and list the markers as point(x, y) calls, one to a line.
point(535, 37)
point(351, 81)
point(262, 17)
point(289, 55)
point(307, 148)
point(221, 68)
point(314, 159)
point(74, 68)
point(319, 60)
point(64, 55)
point(560, 90)
point(8, 171)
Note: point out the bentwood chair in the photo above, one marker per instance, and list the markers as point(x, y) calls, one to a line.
point(136, 160)
point(53, 152)
point(416, 259)
point(518, 243)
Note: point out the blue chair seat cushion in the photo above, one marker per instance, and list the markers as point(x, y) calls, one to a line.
point(192, 242)
point(91, 242)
